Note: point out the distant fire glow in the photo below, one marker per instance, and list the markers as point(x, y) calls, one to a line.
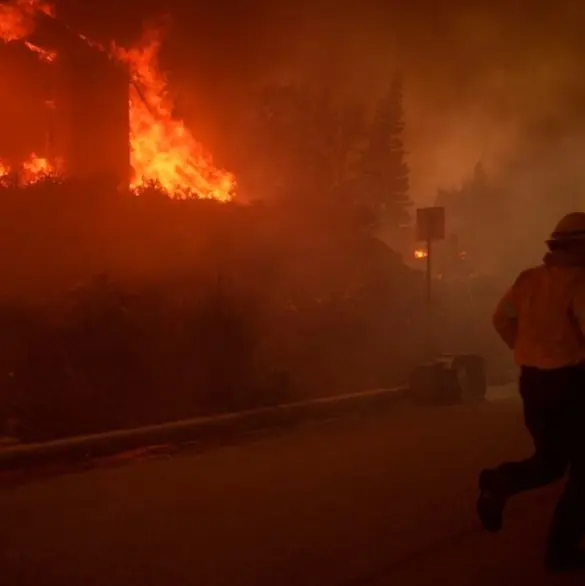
point(420, 253)
point(163, 150)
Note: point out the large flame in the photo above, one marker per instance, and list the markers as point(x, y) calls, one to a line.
point(163, 150)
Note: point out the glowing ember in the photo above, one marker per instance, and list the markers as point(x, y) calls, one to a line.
point(163, 151)
point(44, 54)
point(420, 253)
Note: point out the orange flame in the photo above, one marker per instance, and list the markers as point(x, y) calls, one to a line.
point(33, 169)
point(420, 253)
point(17, 18)
point(36, 168)
point(4, 171)
point(163, 150)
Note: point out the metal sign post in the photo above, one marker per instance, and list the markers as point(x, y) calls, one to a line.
point(429, 272)
point(430, 226)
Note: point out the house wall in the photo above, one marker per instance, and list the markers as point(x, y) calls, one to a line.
point(92, 126)
point(89, 127)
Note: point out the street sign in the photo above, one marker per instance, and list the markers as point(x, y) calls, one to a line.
point(430, 224)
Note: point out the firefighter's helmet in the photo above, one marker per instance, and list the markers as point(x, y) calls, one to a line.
point(570, 227)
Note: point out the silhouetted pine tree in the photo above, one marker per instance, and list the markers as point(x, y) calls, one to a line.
point(384, 170)
point(306, 145)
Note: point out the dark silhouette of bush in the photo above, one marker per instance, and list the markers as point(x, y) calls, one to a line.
point(127, 310)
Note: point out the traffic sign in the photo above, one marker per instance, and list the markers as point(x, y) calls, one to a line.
point(430, 223)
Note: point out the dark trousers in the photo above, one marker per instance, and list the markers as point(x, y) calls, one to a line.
point(554, 413)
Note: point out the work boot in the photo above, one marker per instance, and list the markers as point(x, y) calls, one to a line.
point(490, 502)
point(560, 561)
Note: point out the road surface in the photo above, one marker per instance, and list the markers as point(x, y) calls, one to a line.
point(373, 501)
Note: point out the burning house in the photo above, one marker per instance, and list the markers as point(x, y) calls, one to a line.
point(87, 118)
point(105, 110)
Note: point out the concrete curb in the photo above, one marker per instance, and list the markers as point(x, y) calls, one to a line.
point(218, 427)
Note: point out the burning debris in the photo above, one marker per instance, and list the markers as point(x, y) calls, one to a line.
point(162, 150)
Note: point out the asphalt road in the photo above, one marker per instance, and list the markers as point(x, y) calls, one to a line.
point(375, 501)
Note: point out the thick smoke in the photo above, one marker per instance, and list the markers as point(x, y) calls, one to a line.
point(484, 83)
point(486, 80)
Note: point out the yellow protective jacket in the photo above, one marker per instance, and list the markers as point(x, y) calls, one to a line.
point(542, 316)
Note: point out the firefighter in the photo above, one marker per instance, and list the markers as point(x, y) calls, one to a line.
point(542, 319)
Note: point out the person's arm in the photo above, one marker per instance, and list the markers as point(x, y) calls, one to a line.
point(505, 318)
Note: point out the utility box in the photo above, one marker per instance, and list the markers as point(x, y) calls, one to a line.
point(472, 377)
point(449, 380)
point(435, 383)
